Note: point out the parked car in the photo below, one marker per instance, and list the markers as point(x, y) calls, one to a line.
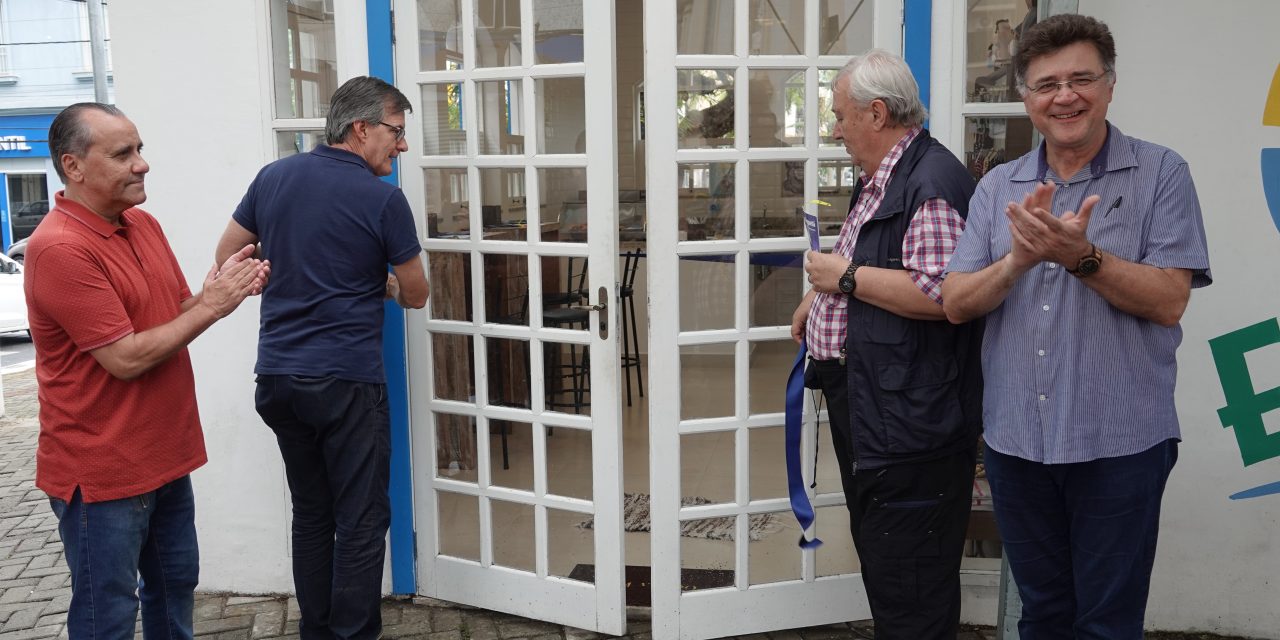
point(13, 301)
point(27, 217)
point(18, 251)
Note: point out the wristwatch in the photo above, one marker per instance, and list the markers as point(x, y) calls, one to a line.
point(1089, 264)
point(847, 281)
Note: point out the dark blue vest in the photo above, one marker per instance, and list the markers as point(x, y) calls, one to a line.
point(915, 386)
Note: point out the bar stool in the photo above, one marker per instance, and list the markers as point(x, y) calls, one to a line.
point(577, 371)
point(630, 336)
point(558, 312)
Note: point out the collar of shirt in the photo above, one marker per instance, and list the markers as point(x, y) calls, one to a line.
point(342, 155)
point(87, 217)
point(880, 178)
point(1113, 155)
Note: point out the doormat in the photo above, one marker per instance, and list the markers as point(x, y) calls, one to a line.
point(635, 517)
point(638, 580)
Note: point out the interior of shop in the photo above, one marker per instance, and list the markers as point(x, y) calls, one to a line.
point(519, 452)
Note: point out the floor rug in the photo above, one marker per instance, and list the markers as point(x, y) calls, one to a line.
point(635, 517)
point(638, 580)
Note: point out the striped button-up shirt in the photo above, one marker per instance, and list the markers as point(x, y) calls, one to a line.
point(1068, 377)
point(931, 237)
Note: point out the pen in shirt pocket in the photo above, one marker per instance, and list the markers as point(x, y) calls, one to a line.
point(1114, 205)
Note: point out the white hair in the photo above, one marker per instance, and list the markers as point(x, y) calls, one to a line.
point(880, 75)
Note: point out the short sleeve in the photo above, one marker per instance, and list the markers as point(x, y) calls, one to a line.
point(71, 288)
point(1176, 238)
point(399, 234)
point(973, 251)
point(246, 212)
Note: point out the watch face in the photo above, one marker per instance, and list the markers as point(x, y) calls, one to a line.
point(846, 284)
point(1088, 266)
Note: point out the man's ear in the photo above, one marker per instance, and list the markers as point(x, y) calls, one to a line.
point(879, 115)
point(71, 167)
point(361, 129)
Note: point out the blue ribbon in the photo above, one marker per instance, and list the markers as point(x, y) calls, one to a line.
point(800, 504)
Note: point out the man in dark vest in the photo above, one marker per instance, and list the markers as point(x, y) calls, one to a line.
point(903, 386)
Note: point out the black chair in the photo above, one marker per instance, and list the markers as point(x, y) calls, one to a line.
point(630, 334)
point(575, 286)
point(577, 371)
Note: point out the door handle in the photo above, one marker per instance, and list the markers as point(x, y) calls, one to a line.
point(602, 306)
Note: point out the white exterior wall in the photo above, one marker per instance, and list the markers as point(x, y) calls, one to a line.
point(1194, 76)
point(195, 84)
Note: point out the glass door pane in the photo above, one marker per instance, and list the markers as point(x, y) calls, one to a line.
point(521, 427)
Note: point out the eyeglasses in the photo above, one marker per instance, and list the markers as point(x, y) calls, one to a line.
point(399, 131)
point(1083, 84)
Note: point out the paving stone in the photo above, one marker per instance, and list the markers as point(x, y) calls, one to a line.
point(235, 600)
point(31, 634)
point(238, 634)
point(252, 608)
point(291, 627)
point(210, 609)
point(54, 618)
point(44, 561)
point(547, 636)
point(269, 623)
point(47, 571)
point(11, 571)
point(23, 619)
point(52, 581)
point(205, 627)
point(445, 635)
point(525, 629)
point(416, 615)
point(293, 612)
point(480, 629)
point(60, 604)
point(409, 631)
point(15, 594)
point(445, 619)
point(390, 614)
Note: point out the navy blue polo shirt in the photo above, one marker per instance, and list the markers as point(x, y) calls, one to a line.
point(330, 228)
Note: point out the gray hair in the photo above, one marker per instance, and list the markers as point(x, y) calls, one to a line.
point(69, 134)
point(361, 99)
point(880, 75)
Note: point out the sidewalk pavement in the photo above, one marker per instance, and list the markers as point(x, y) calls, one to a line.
point(35, 587)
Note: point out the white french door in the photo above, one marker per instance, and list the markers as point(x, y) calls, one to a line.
point(739, 137)
point(512, 171)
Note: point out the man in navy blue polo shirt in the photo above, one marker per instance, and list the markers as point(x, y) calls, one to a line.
point(330, 227)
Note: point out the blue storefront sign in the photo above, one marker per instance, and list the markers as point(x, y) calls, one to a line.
point(25, 136)
point(21, 136)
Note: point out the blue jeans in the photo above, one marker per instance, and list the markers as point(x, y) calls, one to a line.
point(335, 438)
point(1081, 539)
point(124, 551)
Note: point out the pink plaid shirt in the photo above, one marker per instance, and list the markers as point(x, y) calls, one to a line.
point(931, 238)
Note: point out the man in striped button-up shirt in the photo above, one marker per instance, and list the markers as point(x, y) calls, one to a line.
point(903, 386)
point(1084, 253)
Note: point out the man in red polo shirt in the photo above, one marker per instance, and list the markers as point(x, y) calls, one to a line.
point(111, 316)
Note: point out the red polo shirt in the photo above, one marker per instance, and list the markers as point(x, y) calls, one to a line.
point(88, 284)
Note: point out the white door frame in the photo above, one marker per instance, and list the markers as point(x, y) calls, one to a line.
point(742, 608)
point(596, 606)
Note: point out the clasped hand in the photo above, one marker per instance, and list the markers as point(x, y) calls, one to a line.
point(239, 277)
point(1039, 236)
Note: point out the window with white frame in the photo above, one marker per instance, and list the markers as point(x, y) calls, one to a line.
point(304, 64)
point(4, 39)
point(996, 128)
